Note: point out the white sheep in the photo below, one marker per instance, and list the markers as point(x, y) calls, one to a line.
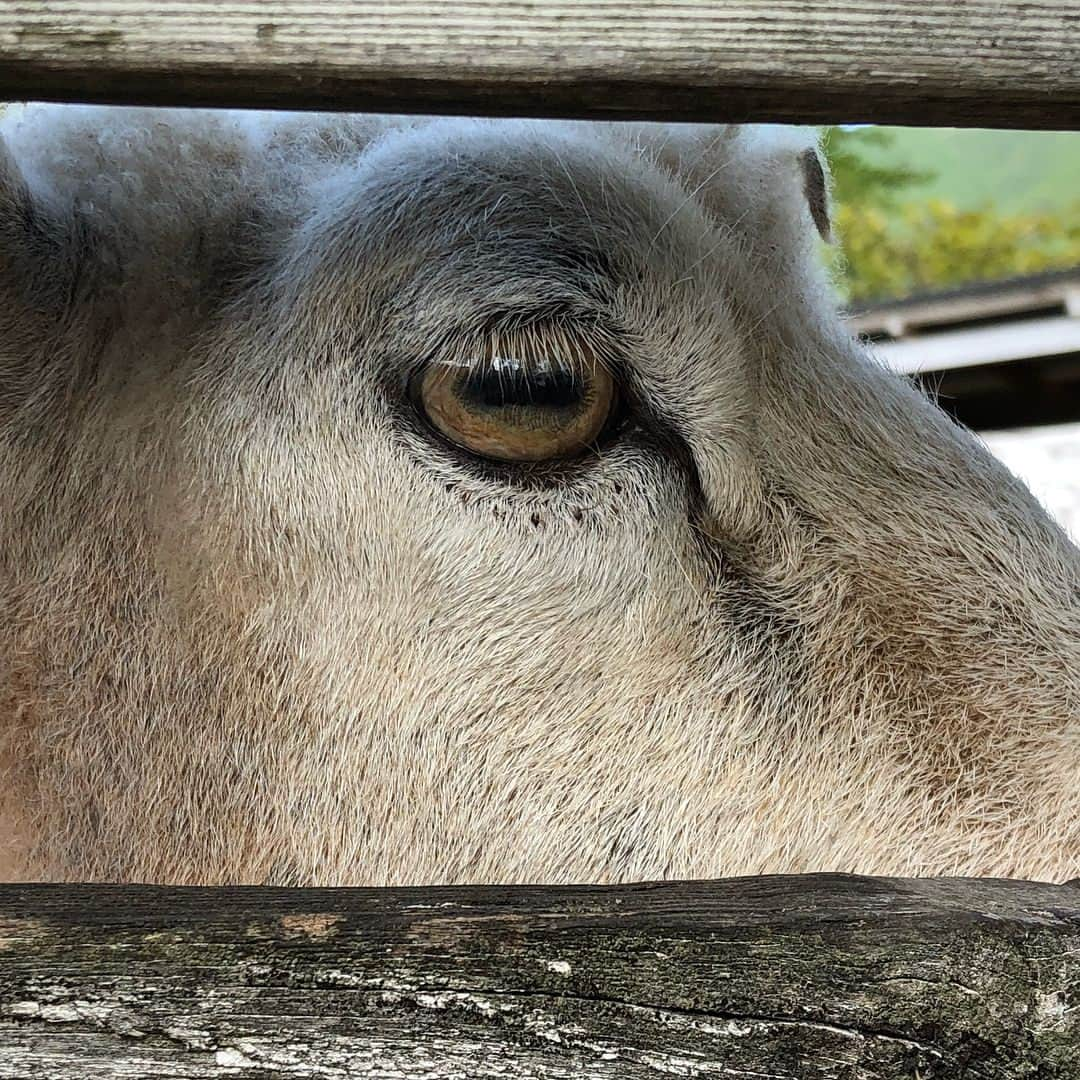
point(392, 501)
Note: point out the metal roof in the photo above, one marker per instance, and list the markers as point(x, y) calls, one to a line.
point(1021, 318)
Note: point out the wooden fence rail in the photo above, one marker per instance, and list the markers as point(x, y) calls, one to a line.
point(820, 977)
point(1005, 63)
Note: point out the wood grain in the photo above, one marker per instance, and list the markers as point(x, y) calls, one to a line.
point(817, 977)
point(943, 62)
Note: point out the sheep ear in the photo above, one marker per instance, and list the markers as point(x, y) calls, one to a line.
point(744, 174)
point(37, 260)
point(816, 190)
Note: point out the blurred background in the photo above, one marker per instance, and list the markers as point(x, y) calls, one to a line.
point(959, 259)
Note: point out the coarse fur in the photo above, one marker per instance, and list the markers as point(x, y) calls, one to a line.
point(258, 623)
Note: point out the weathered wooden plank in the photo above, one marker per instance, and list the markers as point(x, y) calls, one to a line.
point(813, 977)
point(952, 62)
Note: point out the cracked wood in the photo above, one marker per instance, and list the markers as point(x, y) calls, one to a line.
point(818, 977)
point(944, 62)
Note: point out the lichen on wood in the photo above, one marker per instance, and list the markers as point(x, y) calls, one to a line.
point(816, 977)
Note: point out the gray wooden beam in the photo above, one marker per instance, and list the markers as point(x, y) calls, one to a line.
point(816, 977)
point(935, 62)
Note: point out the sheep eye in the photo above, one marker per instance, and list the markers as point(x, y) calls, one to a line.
point(518, 408)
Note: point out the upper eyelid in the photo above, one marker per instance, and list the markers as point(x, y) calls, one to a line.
point(570, 309)
point(588, 331)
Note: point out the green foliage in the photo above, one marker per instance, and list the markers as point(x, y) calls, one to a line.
point(859, 177)
point(1014, 171)
point(895, 240)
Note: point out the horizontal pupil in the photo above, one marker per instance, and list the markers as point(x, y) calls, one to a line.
point(503, 387)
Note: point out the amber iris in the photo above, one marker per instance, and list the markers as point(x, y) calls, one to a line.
point(517, 410)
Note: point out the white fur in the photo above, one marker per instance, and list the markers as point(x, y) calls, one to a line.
point(257, 625)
